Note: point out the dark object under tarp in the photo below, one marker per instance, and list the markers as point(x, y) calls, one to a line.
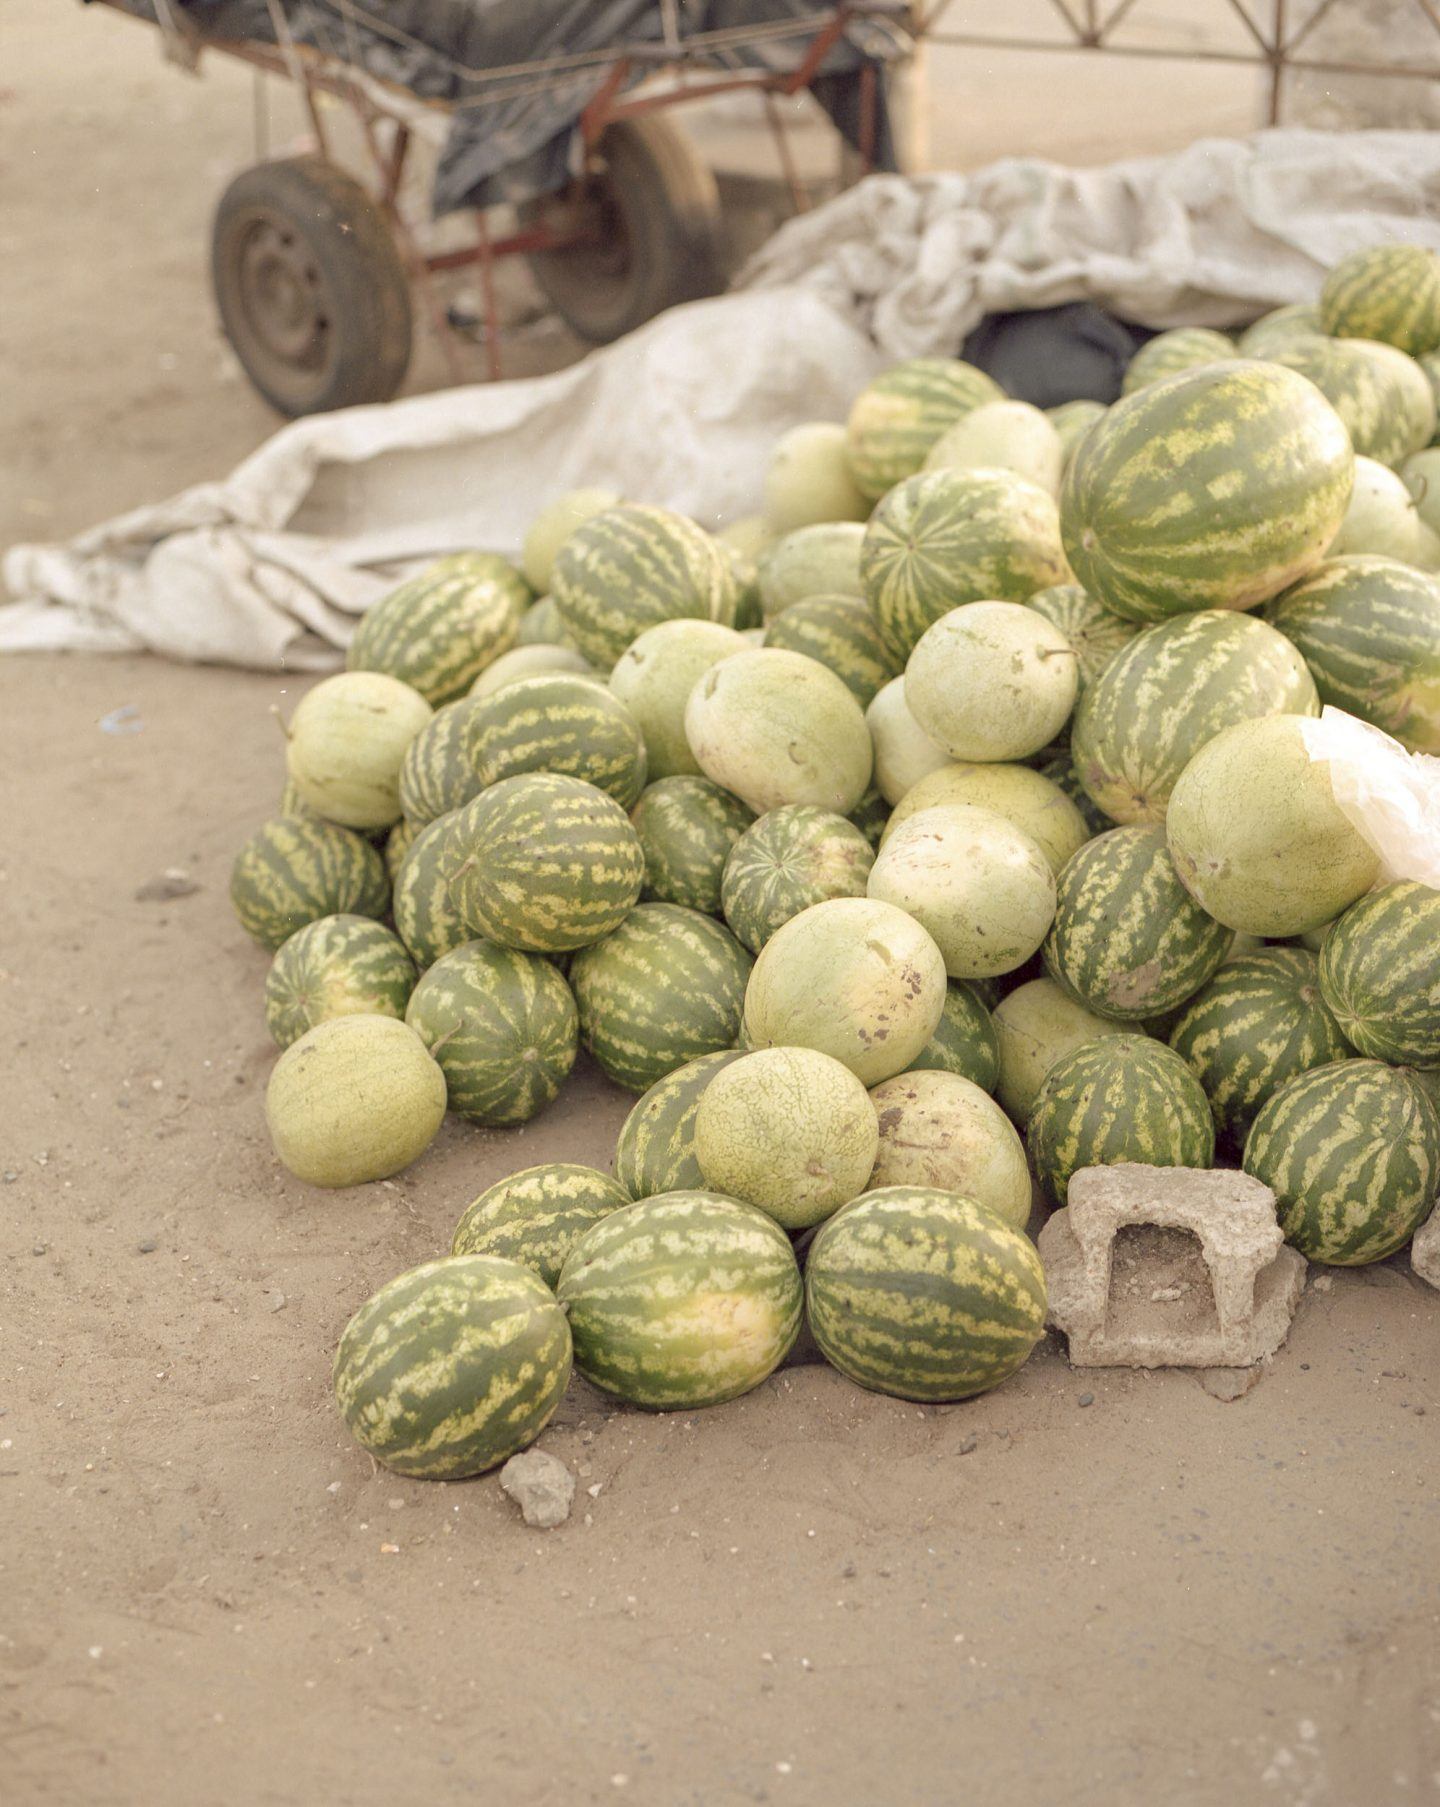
point(512, 137)
point(1050, 355)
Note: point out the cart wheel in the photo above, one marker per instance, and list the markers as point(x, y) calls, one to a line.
point(311, 291)
point(650, 232)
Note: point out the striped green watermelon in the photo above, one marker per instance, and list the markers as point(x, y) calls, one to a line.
point(441, 767)
point(823, 560)
point(899, 416)
point(654, 676)
point(563, 722)
point(336, 967)
point(683, 1300)
point(440, 630)
point(453, 1367)
point(501, 1025)
point(656, 1148)
point(1280, 328)
point(293, 804)
point(790, 858)
point(965, 1043)
point(950, 537)
point(624, 570)
point(1352, 1153)
point(1073, 420)
point(1385, 292)
point(398, 842)
point(1383, 397)
point(839, 632)
point(543, 862)
point(1128, 939)
point(1380, 974)
point(1114, 1100)
point(687, 826)
point(923, 1294)
point(1095, 633)
point(1168, 354)
point(1369, 629)
point(536, 1216)
point(426, 918)
point(1209, 490)
point(296, 869)
point(1259, 1022)
point(1175, 686)
point(749, 613)
point(667, 985)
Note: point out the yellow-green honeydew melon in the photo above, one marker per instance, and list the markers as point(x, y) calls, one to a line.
point(1257, 836)
point(1037, 1024)
point(904, 752)
point(852, 977)
point(1421, 472)
point(776, 727)
point(808, 479)
point(1382, 518)
point(992, 681)
point(982, 887)
point(530, 662)
point(553, 525)
point(1027, 798)
point(1007, 436)
point(937, 1129)
point(355, 1099)
point(750, 536)
point(654, 677)
point(790, 1130)
point(821, 560)
point(345, 743)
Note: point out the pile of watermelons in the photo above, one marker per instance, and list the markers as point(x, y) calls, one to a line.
point(964, 796)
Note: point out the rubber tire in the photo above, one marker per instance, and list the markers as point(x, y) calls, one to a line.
point(364, 290)
point(669, 209)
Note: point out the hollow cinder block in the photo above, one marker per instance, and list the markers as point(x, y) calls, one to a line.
point(1131, 1290)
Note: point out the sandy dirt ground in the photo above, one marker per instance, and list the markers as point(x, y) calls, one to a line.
point(207, 1593)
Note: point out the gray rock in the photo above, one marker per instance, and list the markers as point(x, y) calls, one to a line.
point(1169, 1267)
point(1229, 1383)
point(542, 1486)
point(1425, 1249)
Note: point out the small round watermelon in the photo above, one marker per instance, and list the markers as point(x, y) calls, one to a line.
point(1381, 397)
point(338, 966)
point(441, 768)
point(1389, 292)
point(655, 1151)
point(1167, 354)
point(1115, 1100)
point(536, 1216)
point(687, 828)
point(965, 1041)
point(1380, 973)
point(1129, 941)
point(296, 869)
point(426, 918)
point(684, 1300)
point(897, 418)
point(451, 1368)
point(1351, 1151)
point(923, 1294)
point(554, 524)
point(838, 632)
point(543, 862)
point(563, 722)
point(439, 630)
point(1259, 1022)
point(502, 1026)
point(785, 861)
point(666, 985)
point(1094, 633)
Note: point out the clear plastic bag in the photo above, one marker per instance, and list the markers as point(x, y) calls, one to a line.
point(1392, 797)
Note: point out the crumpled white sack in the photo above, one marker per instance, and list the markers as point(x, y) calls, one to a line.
point(1392, 796)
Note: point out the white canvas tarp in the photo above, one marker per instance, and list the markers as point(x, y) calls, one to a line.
point(270, 566)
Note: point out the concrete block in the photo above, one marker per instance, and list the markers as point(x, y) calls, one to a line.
point(1169, 1267)
point(1425, 1249)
